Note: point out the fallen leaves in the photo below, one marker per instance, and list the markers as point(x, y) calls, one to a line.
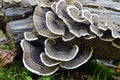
point(6, 57)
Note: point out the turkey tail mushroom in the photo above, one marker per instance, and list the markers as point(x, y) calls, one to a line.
point(40, 22)
point(30, 36)
point(54, 24)
point(68, 36)
point(60, 50)
point(32, 60)
point(75, 13)
point(76, 28)
point(81, 58)
point(60, 25)
point(48, 61)
point(94, 27)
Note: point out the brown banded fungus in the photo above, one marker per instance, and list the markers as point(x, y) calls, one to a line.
point(60, 25)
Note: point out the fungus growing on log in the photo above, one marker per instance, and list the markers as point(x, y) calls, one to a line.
point(39, 20)
point(67, 30)
point(60, 23)
point(60, 50)
point(31, 60)
point(54, 24)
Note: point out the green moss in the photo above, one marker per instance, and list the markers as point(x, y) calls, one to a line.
point(4, 47)
point(2, 35)
point(16, 71)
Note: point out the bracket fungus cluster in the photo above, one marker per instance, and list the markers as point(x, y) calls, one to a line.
point(52, 44)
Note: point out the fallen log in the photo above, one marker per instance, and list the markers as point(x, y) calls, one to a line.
point(15, 32)
point(45, 50)
point(108, 11)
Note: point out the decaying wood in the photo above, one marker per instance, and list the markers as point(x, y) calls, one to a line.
point(15, 30)
point(108, 11)
point(15, 13)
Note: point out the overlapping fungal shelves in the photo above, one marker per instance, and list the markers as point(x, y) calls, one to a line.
point(64, 33)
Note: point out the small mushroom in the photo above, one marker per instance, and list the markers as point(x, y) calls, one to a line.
point(68, 36)
point(115, 29)
point(60, 50)
point(39, 20)
point(32, 60)
point(48, 61)
point(55, 24)
point(103, 26)
point(87, 15)
point(30, 36)
point(81, 58)
point(61, 9)
point(116, 43)
point(94, 27)
point(53, 6)
point(75, 13)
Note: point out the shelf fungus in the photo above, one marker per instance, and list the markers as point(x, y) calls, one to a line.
point(30, 36)
point(53, 57)
point(31, 60)
point(62, 28)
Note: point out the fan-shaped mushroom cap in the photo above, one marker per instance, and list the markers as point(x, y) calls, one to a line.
point(107, 36)
point(32, 60)
point(55, 24)
point(75, 13)
point(76, 28)
point(48, 61)
point(103, 26)
point(116, 43)
point(60, 50)
point(30, 36)
point(68, 36)
point(115, 29)
point(40, 22)
point(82, 57)
point(94, 27)
point(86, 14)
point(53, 6)
point(60, 7)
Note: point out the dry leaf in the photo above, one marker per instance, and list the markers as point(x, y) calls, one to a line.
point(6, 57)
